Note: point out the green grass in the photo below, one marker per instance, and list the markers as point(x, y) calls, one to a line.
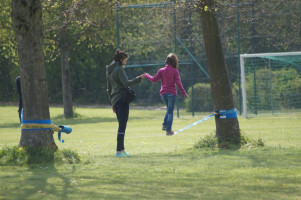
point(161, 167)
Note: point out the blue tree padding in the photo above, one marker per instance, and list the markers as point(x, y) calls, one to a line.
point(226, 114)
point(64, 129)
point(45, 121)
point(45, 125)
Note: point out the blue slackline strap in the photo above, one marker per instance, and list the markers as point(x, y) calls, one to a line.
point(221, 114)
point(195, 123)
point(64, 129)
point(59, 137)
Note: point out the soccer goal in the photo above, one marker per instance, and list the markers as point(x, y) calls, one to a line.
point(271, 82)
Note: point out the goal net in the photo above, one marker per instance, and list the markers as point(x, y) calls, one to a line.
point(271, 82)
point(149, 32)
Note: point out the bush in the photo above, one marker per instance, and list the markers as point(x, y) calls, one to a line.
point(12, 156)
point(202, 99)
point(36, 155)
point(286, 87)
point(67, 156)
point(210, 141)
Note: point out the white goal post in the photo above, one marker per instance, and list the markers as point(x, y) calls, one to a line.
point(243, 76)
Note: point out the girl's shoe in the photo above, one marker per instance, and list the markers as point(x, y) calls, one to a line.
point(169, 133)
point(163, 127)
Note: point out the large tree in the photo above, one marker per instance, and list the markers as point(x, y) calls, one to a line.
point(226, 129)
point(27, 23)
point(70, 24)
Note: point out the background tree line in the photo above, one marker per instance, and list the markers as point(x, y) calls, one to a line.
point(246, 26)
point(78, 35)
point(81, 36)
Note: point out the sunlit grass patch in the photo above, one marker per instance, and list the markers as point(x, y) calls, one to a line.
point(161, 167)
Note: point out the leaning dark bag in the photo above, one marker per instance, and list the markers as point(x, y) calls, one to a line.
point(128, 95)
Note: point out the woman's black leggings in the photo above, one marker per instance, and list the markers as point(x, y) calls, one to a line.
point(122, 113)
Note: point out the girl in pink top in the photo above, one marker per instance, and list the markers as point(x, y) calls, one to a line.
point(170, 79)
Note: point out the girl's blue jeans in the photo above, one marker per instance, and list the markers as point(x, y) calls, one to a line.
point(169, 100)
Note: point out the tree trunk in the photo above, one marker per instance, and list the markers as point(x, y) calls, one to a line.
point(67, 93)
point(27, 23)
point(226, 129)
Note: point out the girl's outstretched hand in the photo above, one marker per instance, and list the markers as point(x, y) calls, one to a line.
point(186, 95)
point(143, 75)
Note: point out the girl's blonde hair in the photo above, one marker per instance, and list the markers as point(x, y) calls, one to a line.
point(172, 60)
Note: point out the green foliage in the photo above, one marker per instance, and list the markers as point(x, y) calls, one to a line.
point(245, 142)
point(241, 141)
point(12, 156)
point(67, 156)
point(147, 35)
point(250, 143)
point(87, 74)
point(87, 31)
point(202, 99)
point(36, 155)
point(209, 141)
point(285, 86)
point(8, 54)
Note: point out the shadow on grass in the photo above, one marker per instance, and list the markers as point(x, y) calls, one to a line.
point(37, 185)
point(268, 157)
point(40, 184)
point(258, 167)
point(59, 121)
point(151, 176)
point(72, 121)
point(11, 125)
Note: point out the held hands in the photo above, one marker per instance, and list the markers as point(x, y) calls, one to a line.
point(142, 75)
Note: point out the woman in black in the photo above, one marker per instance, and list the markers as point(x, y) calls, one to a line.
point(117, 82)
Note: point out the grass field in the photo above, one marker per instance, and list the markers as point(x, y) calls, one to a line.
point(161, 167)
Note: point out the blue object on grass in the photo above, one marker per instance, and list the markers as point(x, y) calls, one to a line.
point(64, 129)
